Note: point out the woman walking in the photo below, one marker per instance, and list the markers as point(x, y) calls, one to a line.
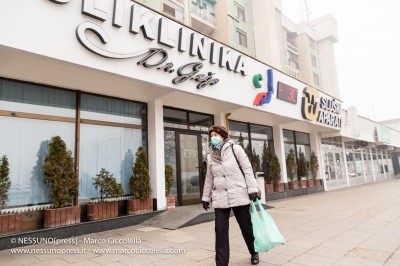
point(229, 187)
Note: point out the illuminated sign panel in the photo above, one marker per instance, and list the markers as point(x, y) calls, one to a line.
point(287, 93)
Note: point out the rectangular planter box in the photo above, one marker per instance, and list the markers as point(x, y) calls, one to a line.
point(136, 206)
point(102, 210)
point(310, 183)
point(293, 185)
point(170, 202)
point(279, 187)
point(317, 182)
point(303, 183)
point(269, 188)
point(62, 216)
point(10, 223)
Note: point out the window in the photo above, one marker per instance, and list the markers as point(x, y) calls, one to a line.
point(24, 139)
point(240, 14)
point(316, 79)
point(177, 118)
point(312, 43)
point(297, 141)
point(292, 61)
point(252, 138)
point(241, 38)
point(173, 10)
point(107, 126)
point(313, 61)
point(169, 10)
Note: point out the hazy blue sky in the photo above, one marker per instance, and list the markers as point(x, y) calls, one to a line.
point(367, 53)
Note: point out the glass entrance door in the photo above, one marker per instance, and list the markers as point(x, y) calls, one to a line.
point(189, 172)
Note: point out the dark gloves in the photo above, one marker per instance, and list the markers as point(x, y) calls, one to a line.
point(206, 205)
point(255, 196)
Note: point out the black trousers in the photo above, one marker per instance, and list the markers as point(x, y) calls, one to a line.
point(242, 215)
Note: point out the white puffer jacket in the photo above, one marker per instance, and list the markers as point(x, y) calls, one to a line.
point(225, 185)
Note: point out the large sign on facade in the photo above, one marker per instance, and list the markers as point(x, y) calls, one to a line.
point(322, 109)
point(124, 38)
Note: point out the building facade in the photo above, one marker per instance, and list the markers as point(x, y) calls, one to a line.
point(112, 76)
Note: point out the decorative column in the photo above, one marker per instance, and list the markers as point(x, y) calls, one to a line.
point(279, 145)
point(156, 152)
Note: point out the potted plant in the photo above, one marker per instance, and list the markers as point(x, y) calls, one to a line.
point(169, 181)
point(139, 185)
point(291, 167)
point(310, 181)
point(9, 223)
point(105, 207)
point(302, 170)
point(60, 177)
point(275, 174)
point(314, 166)
point(266, 167)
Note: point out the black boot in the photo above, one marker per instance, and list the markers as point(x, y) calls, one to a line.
point(255, 259)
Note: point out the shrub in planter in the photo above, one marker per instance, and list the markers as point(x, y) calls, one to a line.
point(169, 181)
point(291, 168)
point(275, 173)
point(310, 181)
point(59, 175)
point(314, 166)
point(302, 170)
point(139, 184)
point(266, 168)
point(109, 188)
point(9, 223)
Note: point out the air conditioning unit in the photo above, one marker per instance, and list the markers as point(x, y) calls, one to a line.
point(386, 148)
point(363, 144)
point(366, 144)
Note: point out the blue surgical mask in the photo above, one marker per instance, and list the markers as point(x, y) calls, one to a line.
point(215, 141)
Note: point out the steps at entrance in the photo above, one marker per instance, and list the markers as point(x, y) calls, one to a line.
point(183, 216)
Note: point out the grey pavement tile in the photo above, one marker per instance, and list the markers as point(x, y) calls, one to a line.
point(72, 258)
point(207, 262)
point(303, 243)
point(84, 263)
point(396, 254)
point(369, 254)
point(17, 259)
point(292, 264)
point(313, 260)
point(199, 254)
point(338, 245)
point(392, 262)
point(56, 261)
point(289, 250)
point(328, 252)
point(109, 258)
point(182, 239)
point(141, 259)
point(353, 261)
point(174, 261)
point(117, 263)
point(271, 258)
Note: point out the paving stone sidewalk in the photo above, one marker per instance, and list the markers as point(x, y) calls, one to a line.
point(354, 226)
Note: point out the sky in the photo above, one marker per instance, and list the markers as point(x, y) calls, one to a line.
point(367, 52)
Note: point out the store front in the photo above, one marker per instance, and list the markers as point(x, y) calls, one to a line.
point(112, 78)
point(358, 154)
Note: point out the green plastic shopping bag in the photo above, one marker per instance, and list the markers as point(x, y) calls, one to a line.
point(265, 231)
